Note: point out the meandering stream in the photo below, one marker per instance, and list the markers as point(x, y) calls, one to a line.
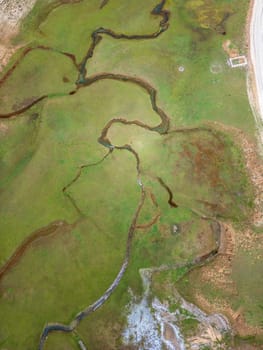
point(149, 321)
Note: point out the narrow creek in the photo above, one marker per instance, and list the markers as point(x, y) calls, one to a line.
point(154, 318)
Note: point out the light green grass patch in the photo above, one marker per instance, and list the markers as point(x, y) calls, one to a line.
point(203, 168)
point(67, 272)
point(69, 27)
point(197, 94)
point(250, 294)
point(69, 129)
point(18, 138)
point(61, 341)
point(40, 73)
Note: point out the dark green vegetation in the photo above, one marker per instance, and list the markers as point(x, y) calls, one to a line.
point(187, 174)
point(188, 326)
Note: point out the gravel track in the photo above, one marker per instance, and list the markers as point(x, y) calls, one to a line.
point(256, 54)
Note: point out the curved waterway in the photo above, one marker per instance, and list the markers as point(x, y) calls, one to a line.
point(96, 36)
point(51, 327)
point(21, 250)
point(163, 128)
point(152, 326)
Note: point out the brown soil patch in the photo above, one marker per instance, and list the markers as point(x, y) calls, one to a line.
point(3, 129)
point(150, 223)
point(219, 271)
point(6, 51)
point(53, 228)
point(170, 336)
point(236, 317)
point(231, 51)
point(11, 14)
point(154, 210)
point(205, 156)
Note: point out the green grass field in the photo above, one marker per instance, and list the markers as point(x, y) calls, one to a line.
point(42, 149)
point(60, 276)
point(195, 95)
point(40, 73)
point(61, 341)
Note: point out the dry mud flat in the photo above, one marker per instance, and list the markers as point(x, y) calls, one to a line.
point(152, 326)
point(11, 14)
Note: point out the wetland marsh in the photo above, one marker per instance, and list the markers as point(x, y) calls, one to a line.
point(106, 146)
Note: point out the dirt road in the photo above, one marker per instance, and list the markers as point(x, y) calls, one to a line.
point(256, 53)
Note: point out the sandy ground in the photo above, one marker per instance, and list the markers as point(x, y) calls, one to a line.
point(11, 14)
point(255, 77)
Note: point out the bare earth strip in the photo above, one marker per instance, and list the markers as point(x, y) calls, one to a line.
point(11, 15)
point(255, 80)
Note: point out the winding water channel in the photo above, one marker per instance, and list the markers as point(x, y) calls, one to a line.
point(162, 128)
